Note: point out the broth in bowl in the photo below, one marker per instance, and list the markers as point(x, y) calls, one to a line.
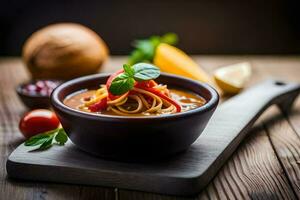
point(187, 101)
point(132, 91)
point(130, 115)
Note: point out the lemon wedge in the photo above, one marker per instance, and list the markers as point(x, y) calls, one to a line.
point(172, 60)
point(232, 79)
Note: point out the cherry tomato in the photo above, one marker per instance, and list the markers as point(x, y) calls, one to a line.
point(38, 121)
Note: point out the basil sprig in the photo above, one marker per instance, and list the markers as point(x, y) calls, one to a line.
point(138, 72)
point(145, 49)
point(46, 140)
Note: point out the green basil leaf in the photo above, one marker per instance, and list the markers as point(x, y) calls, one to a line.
point(145, 72)
point(61, 137)
point(37, 140)
point(121, 84)
point(136, 56)
point(155, 41)
point(128, 70)
point(47, 144)
point(146, 46)
point(45, 140)
point(40, 138)
point(169, 38)
point(145, 49)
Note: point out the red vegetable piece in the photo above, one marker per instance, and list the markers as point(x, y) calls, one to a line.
point(111, 96)
point(148, 84)
point(38, 121)
point(131, 92)
point(101, 105)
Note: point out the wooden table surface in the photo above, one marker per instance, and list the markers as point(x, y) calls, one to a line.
point(265, 166)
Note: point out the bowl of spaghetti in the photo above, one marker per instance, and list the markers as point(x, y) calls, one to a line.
point(136, 113)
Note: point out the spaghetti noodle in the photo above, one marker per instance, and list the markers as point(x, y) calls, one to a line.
point(132, 91)
point(136, 101)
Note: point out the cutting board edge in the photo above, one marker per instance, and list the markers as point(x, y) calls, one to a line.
point(187, 186)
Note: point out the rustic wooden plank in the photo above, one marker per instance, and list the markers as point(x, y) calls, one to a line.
point(286, 143)
point(264, 67)
point(9, 136)
point(281, 67)
point(253, 172)
point(209, 62)
point(294, 117)
point(241, 177)
point(285, 132)
point(12, 73)
point(134, 195)
point(294, 120)
point(185, 174)
point(60, 192)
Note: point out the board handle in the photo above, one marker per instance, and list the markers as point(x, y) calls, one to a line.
point(258, 98)
point(234, 118)
point(282, 93)
point(289, 95)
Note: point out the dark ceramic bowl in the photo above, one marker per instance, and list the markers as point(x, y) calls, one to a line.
point(133, 138)
point(33, 101)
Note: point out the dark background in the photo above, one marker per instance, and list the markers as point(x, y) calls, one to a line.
point(206, 27)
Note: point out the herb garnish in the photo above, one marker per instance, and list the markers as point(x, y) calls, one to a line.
point(138, 72)
point(145, 49)
point(46, 140)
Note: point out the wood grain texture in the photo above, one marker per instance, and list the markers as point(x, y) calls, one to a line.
point(60, 192)
point(284, 129)
point(286, 143)
point(263, 67)
point(284, 67)
point(9, 135)
point(183, 174)
point(253, 172)
point(245, 182)
point(11, 74)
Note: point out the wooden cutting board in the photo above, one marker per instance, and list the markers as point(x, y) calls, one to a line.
point(183, 174)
